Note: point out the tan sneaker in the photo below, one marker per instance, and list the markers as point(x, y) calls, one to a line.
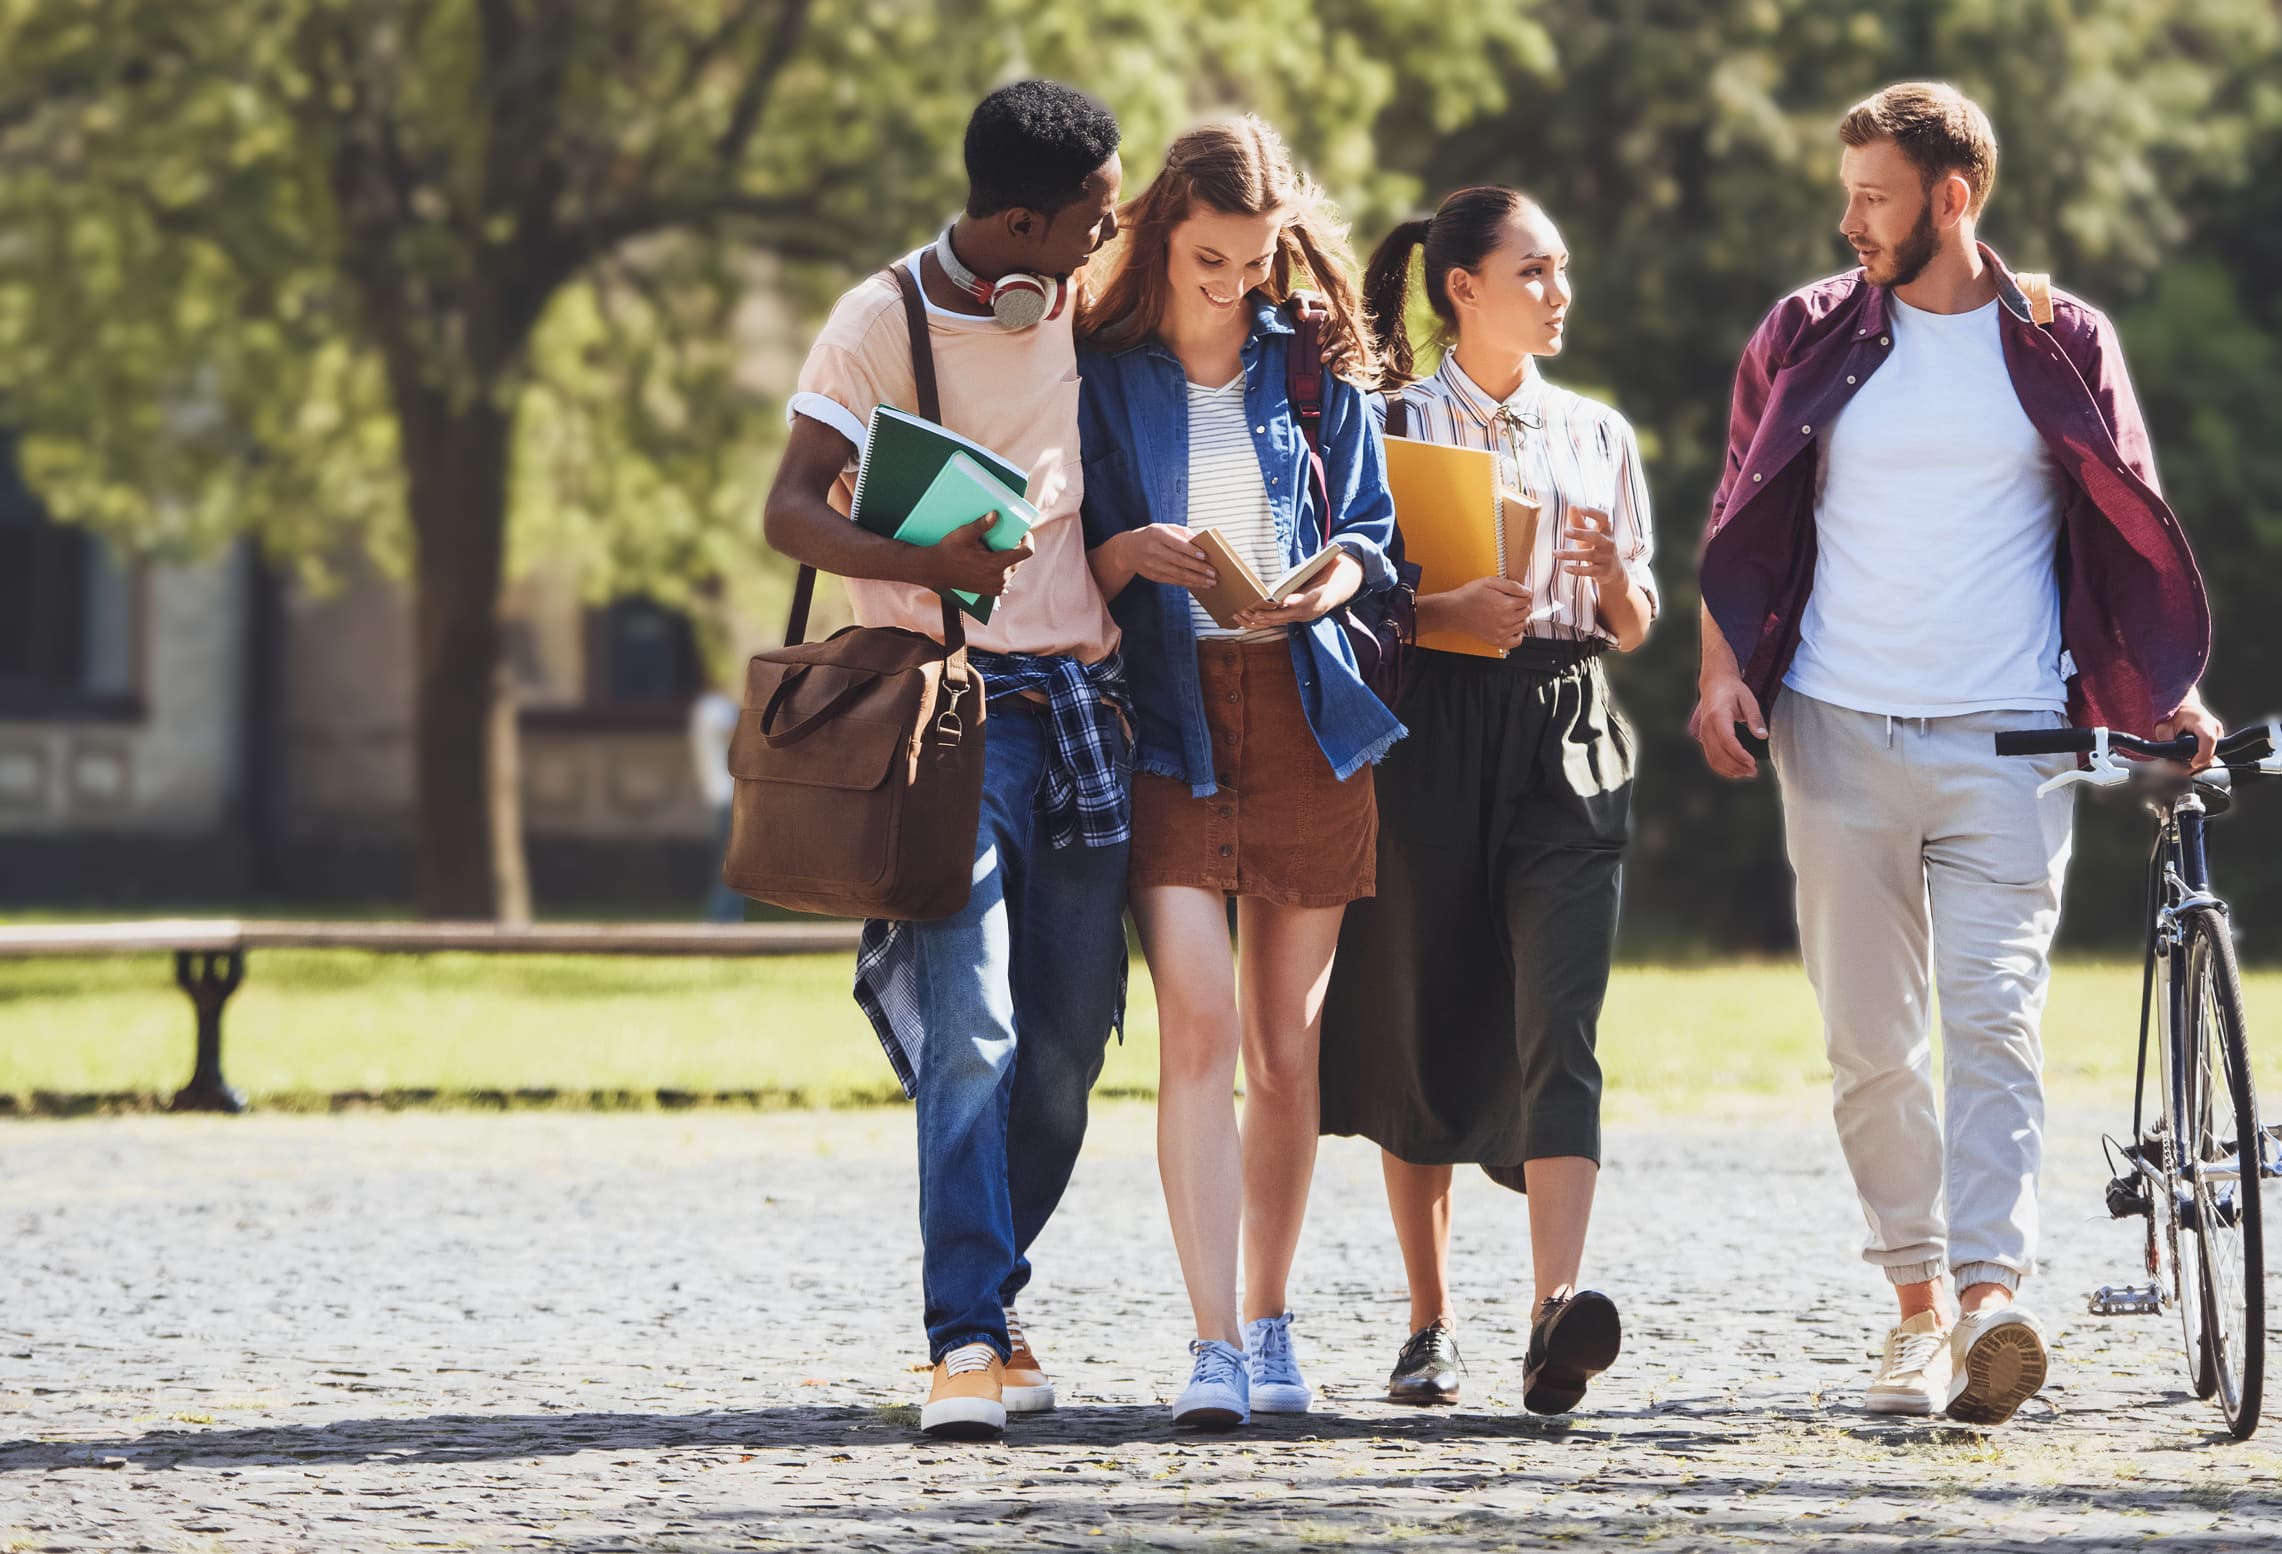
point(1026, 1388)
point(1913, 1378)
point(1998, 1360)
point(965, 1403)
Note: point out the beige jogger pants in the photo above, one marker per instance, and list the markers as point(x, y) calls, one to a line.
point(1925, 860)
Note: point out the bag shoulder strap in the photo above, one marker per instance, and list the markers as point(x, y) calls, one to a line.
point(922, 348)
point(2036, 286)
point(931, 407)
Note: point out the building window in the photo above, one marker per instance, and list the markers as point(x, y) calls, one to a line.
point(67, 617)
point(640, 656)
point(640, 670)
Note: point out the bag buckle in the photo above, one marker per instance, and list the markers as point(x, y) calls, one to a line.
point(950, 728)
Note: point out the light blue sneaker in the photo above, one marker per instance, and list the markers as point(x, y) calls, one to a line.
point(1218, 1396)
point(1277, 1385)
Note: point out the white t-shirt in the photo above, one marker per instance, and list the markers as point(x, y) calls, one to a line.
point(712, 725)
point(1937, 525)
point(1227, 493)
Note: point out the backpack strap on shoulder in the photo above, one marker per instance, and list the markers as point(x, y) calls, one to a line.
point(1303, 364)
point(1398, 414)
point(2036, 286)
point(1303, 386)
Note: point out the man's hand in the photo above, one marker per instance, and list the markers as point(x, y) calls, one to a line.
point(1493, 609)
point(2192, 717)
point(1335, 585)
point(962, 560)
point(1162, 553)
point(1724, 701)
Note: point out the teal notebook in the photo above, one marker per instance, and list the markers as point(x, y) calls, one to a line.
point(962, 491)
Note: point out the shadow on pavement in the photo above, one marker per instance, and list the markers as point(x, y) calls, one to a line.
point(1666, 1430)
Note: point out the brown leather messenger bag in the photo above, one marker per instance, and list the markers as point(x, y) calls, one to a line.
point(858, 760)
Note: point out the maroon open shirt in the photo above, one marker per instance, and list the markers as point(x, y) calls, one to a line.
point(2132, 609)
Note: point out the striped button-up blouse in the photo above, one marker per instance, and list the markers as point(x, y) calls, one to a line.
point(1560, 450)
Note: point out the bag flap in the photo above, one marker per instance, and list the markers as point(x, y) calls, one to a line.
point(850, 752)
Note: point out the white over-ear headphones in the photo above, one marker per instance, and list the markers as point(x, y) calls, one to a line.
point(1017, 301)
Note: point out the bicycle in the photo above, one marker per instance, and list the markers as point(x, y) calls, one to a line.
point(2194, 1176)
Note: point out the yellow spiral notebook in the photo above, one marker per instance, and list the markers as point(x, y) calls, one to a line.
point(1456, 527)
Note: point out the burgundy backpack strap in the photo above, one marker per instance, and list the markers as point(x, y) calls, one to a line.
point(1303, 385)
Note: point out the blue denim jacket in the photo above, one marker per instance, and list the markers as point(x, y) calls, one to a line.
point(1133, 424)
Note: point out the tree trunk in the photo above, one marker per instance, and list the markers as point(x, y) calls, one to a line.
point(469, 832)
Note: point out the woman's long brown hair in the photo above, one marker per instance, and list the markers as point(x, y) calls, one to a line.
point(1237, 167)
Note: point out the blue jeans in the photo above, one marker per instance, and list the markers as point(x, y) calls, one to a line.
point(1020, 990)
point(722, 905)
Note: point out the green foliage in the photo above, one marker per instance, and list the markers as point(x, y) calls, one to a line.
point(229, 220)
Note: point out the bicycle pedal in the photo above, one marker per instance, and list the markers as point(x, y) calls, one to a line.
point(2127, 1198)
point(2127, 1300)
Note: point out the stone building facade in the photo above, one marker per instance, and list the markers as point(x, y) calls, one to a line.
point(211, 734)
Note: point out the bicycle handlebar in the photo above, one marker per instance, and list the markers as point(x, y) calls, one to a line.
point(2053, 741)
point(2254, 743)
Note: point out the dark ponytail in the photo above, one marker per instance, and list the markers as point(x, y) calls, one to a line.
point(1386, 297)
point(1463, 232)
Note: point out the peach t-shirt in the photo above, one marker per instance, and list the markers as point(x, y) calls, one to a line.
point(1013, 391)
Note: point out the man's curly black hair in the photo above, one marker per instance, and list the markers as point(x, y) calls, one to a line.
point(1031, 146)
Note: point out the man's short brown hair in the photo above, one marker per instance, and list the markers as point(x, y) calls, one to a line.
point(1939, 128)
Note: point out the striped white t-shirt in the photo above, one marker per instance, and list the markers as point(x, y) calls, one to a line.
point(1560, 449)
point(1227, 493)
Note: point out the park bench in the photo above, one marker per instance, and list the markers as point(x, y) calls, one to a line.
point(210, 957)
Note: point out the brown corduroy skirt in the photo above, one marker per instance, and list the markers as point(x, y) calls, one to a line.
point(1281, 827)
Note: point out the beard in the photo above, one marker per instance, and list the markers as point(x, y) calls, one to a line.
point(1913, 254)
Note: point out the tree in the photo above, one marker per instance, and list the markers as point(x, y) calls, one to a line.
point(322, 270)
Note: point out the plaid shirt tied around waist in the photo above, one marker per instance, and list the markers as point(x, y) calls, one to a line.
point(1085, 800)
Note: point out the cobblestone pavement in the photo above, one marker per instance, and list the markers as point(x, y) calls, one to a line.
point(699, 1332)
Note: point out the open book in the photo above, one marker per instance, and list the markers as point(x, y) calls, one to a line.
point(1240, 588)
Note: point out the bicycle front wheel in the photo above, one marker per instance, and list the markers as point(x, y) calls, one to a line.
point(2223, 1150)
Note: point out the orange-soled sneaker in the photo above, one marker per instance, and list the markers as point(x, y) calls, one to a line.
point(1026, 1388)
point(966, 1402)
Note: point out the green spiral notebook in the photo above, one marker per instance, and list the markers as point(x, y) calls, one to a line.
point(905, 457)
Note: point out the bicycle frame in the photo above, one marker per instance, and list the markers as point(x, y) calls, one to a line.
point(2178, 883)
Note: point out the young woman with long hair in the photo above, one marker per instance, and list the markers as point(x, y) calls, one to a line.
point(1463, 1014)
point(1253, 741)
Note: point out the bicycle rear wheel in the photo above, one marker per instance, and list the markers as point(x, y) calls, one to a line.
point(2223, 1147)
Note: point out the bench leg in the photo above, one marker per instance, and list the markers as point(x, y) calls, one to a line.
point(209, 979)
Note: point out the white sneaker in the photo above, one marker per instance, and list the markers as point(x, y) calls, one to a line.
point(1218, 1396)
point(1277, 1385)
point(1913, 1378)
point(1998, 1360)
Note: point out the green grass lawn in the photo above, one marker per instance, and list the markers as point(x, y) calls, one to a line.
point(309, 1025)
